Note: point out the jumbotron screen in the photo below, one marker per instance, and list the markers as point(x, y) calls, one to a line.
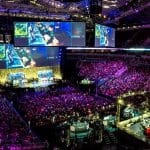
point(49, 34)
point(28, 57)
point(104, 36)
point(2, 56)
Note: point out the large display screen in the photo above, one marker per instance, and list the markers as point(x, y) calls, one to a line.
point(49, 34)
point(27, 57)
point(104, 36)
point(2, 56)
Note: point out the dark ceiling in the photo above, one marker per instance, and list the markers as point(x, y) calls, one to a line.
point(111, 12)
point(137, 18)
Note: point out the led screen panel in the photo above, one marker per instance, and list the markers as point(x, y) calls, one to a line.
point(28, 57)
point(104, 36)
point(2, 56)
point(49, 34)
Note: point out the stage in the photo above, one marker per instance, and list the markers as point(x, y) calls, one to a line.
point(37, 84)
point(32, 84)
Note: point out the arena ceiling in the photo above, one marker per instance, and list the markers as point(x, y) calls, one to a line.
point(113, 12)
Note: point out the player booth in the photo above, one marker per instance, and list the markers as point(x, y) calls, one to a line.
point(17, 79)
point(45, 76)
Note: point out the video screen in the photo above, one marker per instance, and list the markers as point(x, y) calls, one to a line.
point(2, 51)
point(28, 57)
point(49, 34)
point(2, 56)
point(104, 36)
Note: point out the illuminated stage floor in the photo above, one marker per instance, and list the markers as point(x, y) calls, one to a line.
point(37, 84)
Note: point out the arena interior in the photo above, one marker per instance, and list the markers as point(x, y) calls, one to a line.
point(74, 75)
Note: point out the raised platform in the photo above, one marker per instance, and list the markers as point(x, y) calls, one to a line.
point(36, 84)
point(33, 84)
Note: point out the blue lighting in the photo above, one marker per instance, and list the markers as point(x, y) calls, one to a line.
point(138, 49)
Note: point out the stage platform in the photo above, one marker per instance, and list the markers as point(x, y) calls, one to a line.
point(37, 84)
point(34, 84)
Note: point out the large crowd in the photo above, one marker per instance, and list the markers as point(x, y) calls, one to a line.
point(43, 108)
point(131, 81)
point(14, 132)
point(68, 104)
point(100, 69)
point(58, 109)
point(123, 74)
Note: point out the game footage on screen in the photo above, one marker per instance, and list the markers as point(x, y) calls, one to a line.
point(104, 36)
point(49, 34)
point(27, 57)
point(2, 56)
point(2, 52)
